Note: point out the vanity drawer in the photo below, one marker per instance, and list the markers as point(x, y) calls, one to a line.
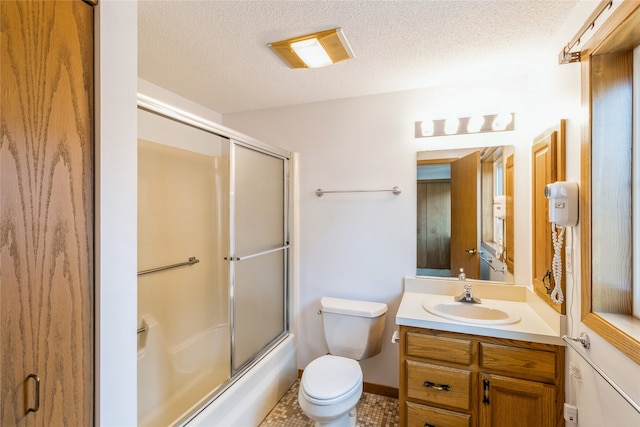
point(421, 416)
point(438, 384)
point(535, 365)
point(452, 350)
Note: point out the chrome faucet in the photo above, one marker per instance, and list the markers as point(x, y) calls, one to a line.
point(466, 295)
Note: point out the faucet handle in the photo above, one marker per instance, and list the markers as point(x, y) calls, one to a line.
point(462, 275)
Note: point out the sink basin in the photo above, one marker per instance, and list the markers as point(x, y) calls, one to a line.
point(483, 314)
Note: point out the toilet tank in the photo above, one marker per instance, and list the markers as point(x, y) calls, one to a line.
point(353, 328)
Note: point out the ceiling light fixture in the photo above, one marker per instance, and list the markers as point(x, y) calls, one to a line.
point(314, 50)
point(465, 125)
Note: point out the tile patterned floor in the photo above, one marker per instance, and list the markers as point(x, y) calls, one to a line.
point(372, 411)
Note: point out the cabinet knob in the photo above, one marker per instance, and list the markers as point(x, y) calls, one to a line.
point(428, 425)
point(443, 387)
point(36, 406)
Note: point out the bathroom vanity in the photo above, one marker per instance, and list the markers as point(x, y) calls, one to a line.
point(479, 372)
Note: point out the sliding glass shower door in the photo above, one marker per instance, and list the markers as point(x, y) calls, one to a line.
point(213, 222)
point(259, 247)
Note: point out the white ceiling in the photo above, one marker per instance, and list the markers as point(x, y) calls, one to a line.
point(215, 52)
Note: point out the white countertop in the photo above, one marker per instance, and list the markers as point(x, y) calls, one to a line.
point(539, 322)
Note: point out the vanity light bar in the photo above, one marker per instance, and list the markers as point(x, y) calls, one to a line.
point(465, 125)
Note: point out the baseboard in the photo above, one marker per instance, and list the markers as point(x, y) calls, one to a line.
point(380, 390)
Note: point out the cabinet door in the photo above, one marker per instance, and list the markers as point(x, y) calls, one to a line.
point(547, 166)
point(46, 213)
point(509, 402)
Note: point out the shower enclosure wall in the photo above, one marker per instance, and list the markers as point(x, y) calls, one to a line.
point(213, 251)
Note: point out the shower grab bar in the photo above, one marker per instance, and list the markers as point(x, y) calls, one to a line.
point(192, 260)
point(604, 376)
point(320, 192)
point(242, 258)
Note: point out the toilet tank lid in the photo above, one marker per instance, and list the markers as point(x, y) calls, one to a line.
point(352, 307)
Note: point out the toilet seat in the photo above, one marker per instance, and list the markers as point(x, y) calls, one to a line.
point(330, 379)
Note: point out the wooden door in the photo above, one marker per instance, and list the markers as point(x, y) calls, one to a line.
point(46, 213)
point(509, 233)
point(508, 402)
point(465, 215)
point(434, 224)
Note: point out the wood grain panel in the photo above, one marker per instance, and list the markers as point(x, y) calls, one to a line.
point(465, 215)
point(434, 224)
point(439, 225)
point(512, 402)
point(611, 149)
point(486, 201)
point(509, 182)
point(439, 348)
point(421, 416)
point(547, 167)
point(458, 381)
point(520, 363)
point(618, 34)
point(46, 212)
point(422, 227)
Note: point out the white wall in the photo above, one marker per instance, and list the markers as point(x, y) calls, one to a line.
point(116, 218)
point(361, 245)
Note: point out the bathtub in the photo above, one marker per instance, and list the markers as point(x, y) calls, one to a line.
point(251, 397)
point(172, 378)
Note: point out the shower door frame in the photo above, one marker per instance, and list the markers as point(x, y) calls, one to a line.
point(170, 112)
point(234, 258)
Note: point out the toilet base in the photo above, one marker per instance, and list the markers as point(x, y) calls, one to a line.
point(348, 420)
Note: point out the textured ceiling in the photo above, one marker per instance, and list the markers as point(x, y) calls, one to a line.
point(215, 52)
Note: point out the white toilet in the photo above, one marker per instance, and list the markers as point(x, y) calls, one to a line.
point(331, 385)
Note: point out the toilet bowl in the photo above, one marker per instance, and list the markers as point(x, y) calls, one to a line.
point(330, 388)
point(331, 385)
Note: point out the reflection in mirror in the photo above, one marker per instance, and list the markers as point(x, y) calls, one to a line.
point(463, 216)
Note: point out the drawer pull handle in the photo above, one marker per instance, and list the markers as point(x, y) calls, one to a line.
point(443, 387)
point(428, 425)
point(485, 398)
point(37, 393)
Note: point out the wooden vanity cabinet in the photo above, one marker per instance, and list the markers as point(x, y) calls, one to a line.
point(450, 379)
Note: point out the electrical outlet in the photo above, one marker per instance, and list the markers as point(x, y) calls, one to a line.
point(570, 413)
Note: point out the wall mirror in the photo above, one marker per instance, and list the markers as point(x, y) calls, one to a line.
point(465, 213)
